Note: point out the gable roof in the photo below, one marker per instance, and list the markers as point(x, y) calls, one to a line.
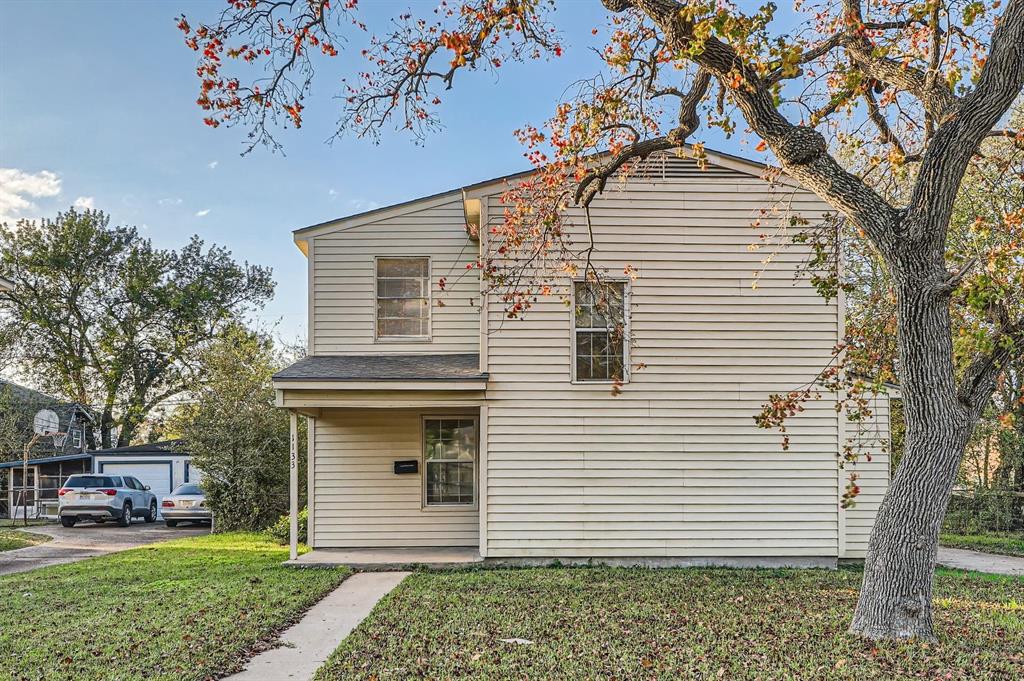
point(714, 158)
point(65, 409)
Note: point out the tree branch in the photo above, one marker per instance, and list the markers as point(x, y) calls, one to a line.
point(979, 380)
point(957, 138)
point(594, 182)
point(802, 150)
point(933, 94)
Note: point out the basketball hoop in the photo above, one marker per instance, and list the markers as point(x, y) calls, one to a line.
point(59, 439)
point(46, 423)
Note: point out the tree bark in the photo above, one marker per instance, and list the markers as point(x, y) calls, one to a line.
point(896, 594)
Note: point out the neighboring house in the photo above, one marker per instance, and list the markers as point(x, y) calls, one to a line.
point(74, 418)
point(434, 421)
point(161, 465)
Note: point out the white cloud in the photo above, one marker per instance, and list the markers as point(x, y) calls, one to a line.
point(362, 205)
point(212, 164)
point(18, 188)
point(85, 202)
point(169, 202)
point(202, 213)
point(331, 192)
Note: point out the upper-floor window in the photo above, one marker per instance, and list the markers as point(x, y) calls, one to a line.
point(599, 330)
point(403, 298)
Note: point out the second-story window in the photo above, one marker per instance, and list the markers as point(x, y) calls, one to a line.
point(403, 298)
point(599, 332)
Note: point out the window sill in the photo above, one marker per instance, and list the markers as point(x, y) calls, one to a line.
point(449, 508)
point(403, 339)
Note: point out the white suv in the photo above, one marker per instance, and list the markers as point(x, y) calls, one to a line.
point(104, 497)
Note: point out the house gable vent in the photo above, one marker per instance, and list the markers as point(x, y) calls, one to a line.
point(669, 166)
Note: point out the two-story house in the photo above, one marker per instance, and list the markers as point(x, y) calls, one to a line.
point(434, 421)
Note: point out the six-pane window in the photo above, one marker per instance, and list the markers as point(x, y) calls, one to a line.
point(600, 324)
point(403, 298)
point(450, 455)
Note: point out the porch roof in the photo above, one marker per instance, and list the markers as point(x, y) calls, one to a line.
point(329, 368)
point(46, 459)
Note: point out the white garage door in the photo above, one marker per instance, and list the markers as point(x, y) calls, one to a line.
point(156, 474)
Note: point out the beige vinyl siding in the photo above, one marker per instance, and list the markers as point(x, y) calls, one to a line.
point(871, 438)
point(674, 466)
point(343, 279)
point(360, 502)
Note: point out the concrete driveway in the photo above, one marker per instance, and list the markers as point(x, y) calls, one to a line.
point(85, 540)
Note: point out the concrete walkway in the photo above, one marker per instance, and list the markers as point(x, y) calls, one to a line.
point(962, 559)
point(311, 641)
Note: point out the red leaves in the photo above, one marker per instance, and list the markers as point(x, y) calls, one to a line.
point(295, 111)
point(459, 44)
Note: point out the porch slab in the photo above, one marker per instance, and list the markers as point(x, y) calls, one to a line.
point(379, 559)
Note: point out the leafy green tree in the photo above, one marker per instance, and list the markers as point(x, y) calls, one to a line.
point(104, 318)
point(236, 436)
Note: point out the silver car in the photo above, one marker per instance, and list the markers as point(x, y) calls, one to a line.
point(186, 502)
point(104, 497)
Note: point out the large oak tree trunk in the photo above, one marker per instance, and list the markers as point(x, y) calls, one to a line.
point(896, 594)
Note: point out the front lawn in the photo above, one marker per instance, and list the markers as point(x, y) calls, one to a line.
point(11, 539)
point(185, 609)
point(602, 623)
point(1005, 544)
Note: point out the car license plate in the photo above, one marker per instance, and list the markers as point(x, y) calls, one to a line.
point(187, 504)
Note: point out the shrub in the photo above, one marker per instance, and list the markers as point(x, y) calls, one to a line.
point(985, 511)
point(280, 530)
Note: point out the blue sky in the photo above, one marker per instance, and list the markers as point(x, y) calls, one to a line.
point(97, 105)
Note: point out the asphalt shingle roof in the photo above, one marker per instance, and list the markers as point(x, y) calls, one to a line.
point(459, 367)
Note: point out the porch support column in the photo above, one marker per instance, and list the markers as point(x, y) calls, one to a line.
point(293, 484)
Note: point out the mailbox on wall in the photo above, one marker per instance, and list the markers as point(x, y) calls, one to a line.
point(407, 466)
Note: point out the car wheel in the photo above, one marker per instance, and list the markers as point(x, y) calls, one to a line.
point(68, 521)
point(172, 523)
point(126, 515)
point(151, 516)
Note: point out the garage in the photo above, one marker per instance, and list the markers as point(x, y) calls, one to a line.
point(160, 465)
point(157, 475)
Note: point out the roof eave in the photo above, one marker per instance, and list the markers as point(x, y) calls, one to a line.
point(475, 383)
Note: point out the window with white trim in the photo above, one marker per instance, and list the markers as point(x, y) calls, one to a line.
point(599, 330)
point(403, 298)
point(449, 455)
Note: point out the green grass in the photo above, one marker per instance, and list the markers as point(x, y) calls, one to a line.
point(603, 623)
point(18, 522)
point(11, 539)
point(1005, 544)
point(186, 609)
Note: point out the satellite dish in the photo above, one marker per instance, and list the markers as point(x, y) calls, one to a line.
point(45, 422)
